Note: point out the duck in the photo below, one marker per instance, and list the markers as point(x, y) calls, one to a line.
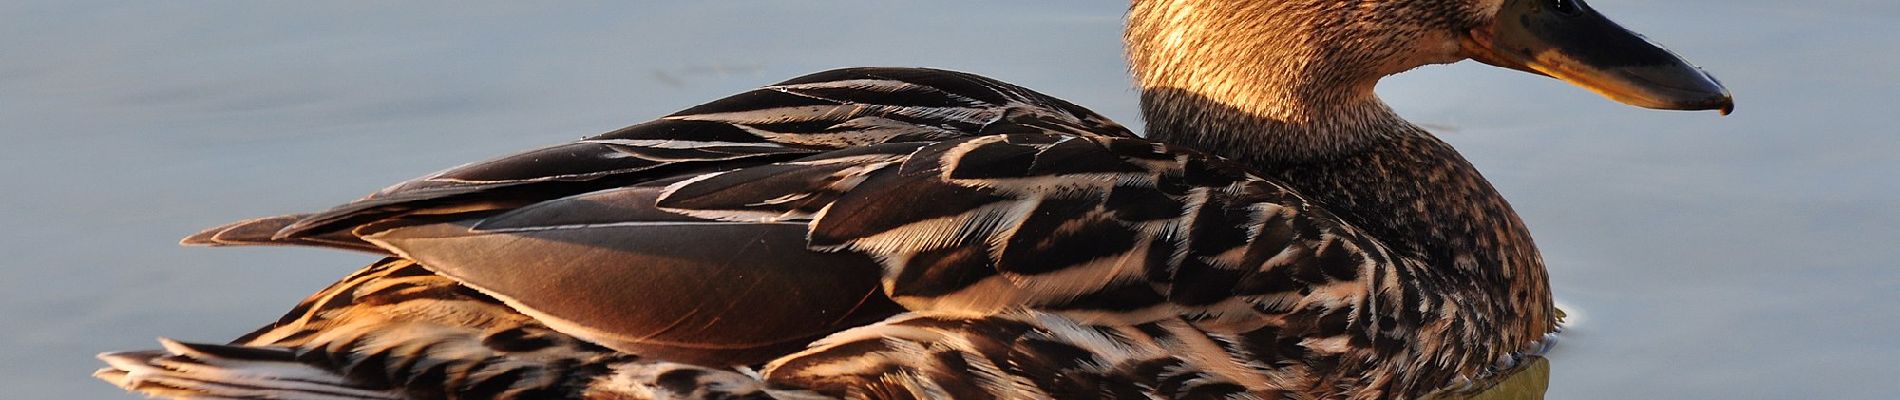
point(1277, 231)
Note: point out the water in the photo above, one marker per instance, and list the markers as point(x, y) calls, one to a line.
point(1738, 257)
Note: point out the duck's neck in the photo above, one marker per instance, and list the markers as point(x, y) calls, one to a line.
point(1299, 113)
point(1215, 74)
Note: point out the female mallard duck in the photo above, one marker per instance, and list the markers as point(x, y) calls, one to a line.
point(888, 232)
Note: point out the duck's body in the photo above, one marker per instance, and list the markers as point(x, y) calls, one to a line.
point(948, 235)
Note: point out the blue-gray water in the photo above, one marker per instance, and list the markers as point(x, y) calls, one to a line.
point(1741, 257)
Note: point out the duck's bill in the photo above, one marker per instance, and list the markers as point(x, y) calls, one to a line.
point(1567, 40)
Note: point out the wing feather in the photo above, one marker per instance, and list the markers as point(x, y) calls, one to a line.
point(821, 112)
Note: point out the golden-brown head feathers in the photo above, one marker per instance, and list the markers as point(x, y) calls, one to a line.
point(1302, 70)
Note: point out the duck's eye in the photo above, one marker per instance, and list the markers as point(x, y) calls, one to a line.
point(1565, 7)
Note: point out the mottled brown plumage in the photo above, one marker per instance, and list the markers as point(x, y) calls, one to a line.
point(1311, 120)
point(394, 330)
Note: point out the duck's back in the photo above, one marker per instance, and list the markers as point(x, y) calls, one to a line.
point(817, 113)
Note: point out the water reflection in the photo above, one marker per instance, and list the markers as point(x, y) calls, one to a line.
point(1530, 383)
point(1738, 257)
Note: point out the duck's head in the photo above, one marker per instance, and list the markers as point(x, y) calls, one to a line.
point(1291, 59)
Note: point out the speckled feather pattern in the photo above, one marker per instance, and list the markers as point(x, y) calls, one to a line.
point(1292, 97)
point(394, 330)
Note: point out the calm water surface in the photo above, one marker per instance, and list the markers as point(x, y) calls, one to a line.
point(1743, 257)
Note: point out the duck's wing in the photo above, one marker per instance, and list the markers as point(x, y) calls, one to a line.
point(802, 117)
point(739, 263)
point(820, 112)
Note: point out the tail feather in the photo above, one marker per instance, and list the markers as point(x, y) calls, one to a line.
point(419, 362)
point(202, 371)
point(263, 231)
